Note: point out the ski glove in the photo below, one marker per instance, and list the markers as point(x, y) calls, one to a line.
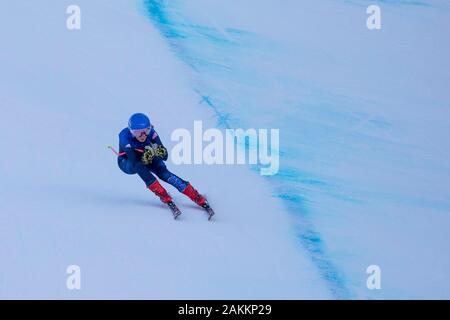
point(161, 151)
point(148, 155)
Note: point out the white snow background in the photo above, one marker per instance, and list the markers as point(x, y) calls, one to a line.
point(364, 130)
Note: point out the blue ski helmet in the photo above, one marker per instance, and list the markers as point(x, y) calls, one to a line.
point(138, 121)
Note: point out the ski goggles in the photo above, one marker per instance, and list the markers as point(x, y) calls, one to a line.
point(140, 132)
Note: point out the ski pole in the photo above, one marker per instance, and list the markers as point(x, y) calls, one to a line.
point(114, 150)
point(122, 153)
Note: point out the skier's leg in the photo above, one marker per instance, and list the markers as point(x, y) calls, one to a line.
point(159, 190)
point(150, 181)
point(125, 165)
point(165, 175)
point(130, 167)
point(160, 169)
point(194, 195)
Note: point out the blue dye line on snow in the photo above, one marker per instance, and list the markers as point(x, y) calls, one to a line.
point(178, 35)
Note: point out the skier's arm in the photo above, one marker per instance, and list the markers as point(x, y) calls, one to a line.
point(155, 138)
point(161, 151)
point(125, 146)
point(131, 153)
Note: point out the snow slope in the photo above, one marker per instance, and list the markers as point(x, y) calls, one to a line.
point(64, 96)
point(364, 125)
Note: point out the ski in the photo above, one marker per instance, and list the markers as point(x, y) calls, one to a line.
point(175, 211)
point(209, 210)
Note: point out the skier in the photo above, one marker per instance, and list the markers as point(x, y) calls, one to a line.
point(141, 151)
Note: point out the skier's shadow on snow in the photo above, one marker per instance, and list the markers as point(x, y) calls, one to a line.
point(193, 206)
point(104, 198)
